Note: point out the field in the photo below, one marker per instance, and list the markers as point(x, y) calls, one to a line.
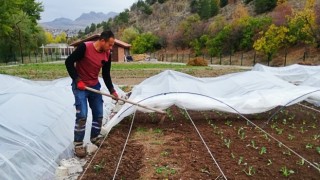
point(174, 150)
point(199, 145)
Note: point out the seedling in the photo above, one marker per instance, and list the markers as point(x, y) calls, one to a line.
point(318, 150)
point(164, 153)
point(316, 137)
point(309, 146)
point(286, 172)
point(227, 142)
point(251, 171)
point(166, 170)
point(263, 150)
point(158, 131)
point(228, 123)
point(253, 144)
point(269, 162)
point(301, 162)
point(98, 167)
point(314, 126)
point(170, 115)
point(233, 156)
point(291, 137)
point(286, 153)
point(266, 137)
point(240, 160)
point(292, 126)
point(284, 121)
point(241, 133)
point(279, 131)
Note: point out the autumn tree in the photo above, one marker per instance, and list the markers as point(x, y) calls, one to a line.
point(302, 25)
point(281, 13)
point(271, 41)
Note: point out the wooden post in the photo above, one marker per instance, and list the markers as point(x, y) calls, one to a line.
point(241, 58)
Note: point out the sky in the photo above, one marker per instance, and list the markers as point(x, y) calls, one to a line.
point(72, 9)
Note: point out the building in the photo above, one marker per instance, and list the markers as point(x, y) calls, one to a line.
point(59, 50)
point(119, 52)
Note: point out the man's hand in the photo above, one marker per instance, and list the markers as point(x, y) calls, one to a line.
point(81, 85)
point(115, 94)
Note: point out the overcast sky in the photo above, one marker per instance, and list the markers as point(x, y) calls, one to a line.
point(72, 9)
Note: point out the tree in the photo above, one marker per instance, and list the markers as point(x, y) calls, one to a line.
point(302, 25)
point(281, 13)
point(93, 27)
point(129, 35)
point(223, 3)
point(204, 9)
point(145, 42)
point(189, 29)
point(214, 8)
point(215, 45)
point(271, 41)
point(250, 27)
point(194, 6)
point(262, 6)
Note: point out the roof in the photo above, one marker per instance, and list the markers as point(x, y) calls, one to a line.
point(96, 37)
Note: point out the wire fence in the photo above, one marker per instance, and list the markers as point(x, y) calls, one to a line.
point(243, 59)
point(240, 59)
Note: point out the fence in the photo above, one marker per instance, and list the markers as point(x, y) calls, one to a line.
point(30, 57)
point(245, 59)
point(240, 59)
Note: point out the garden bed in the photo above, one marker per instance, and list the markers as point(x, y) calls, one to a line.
point(174, 150)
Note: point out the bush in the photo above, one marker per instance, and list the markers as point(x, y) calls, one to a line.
point(262, 6)
point(197, 62)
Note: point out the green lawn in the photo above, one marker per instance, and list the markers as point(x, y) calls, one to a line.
point(49, 71)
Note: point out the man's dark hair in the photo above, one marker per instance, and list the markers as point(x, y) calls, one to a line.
point(106, 35)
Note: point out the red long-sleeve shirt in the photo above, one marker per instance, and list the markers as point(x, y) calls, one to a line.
point(88, 64)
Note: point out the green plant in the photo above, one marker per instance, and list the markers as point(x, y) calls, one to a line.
point(158, 131)
point(291, 137)
point(240, 160)
point(253, 144)
point(286, 172)
point(170, 115)
point(141, 129)
point(228, 123)
point(300, 162)
point(166, 170)
point(233, 156)
point(263, 150)
point(164, 153)
point(309, 146)
point(316, 137)
point(227, 142)
point(98, 167)
point(279, 131)
point(269, 162)
point(286, 153)
point(266, 137)
point(251, 171)
point(318, 150)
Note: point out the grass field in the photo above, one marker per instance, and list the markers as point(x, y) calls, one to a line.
point(50, 71)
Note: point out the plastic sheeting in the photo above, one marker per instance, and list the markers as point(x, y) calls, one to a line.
point(246, 93)
point(300, 75)
point(36, 126)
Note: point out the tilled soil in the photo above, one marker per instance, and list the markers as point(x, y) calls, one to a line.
point(174, 150)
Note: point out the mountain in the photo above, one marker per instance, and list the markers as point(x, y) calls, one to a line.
point(80, 23)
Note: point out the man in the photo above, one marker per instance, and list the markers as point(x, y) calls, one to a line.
point(83, 66)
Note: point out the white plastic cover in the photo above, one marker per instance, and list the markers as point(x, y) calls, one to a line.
point(246, 93)
point(300, 75)
point(36, 126)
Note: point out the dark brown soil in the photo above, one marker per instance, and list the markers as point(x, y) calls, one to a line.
point(174, 150)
